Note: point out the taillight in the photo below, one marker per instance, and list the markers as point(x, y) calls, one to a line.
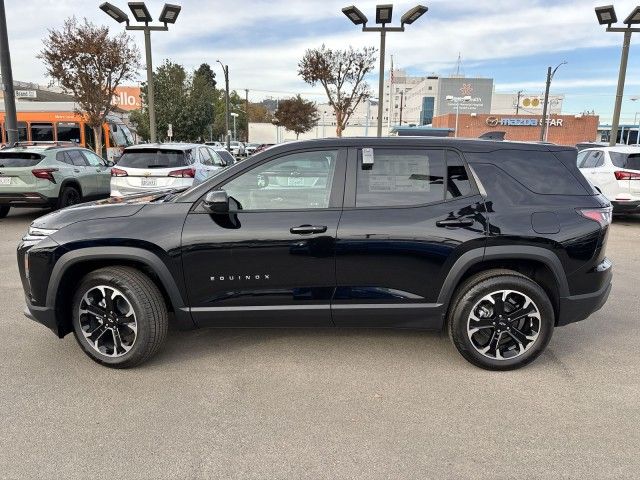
point(625, 175)
point(44, 173)
point(600, 215)
point(118, 172)
point(183, 172)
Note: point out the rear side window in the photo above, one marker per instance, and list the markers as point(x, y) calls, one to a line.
point(41, 132)
point(539, 171)
point(458, 184)
point(401, 177)
point(626, 160)
point(593, 159)
point(76, 157)
point(19, 159)
point(149, 158)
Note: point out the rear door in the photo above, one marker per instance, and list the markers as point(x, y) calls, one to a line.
point(407, 218)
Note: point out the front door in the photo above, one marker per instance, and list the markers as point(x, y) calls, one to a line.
point(83, 173)
point(402, 228)
point(271, 259)
point(101, 172)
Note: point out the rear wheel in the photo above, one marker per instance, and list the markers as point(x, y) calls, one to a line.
point(69, 196)
point(119, 317)
point(4, 210)
point(501, 320)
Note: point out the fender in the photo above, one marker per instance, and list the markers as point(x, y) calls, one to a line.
point(514, 252)
point(72, 182)
point(183, 317)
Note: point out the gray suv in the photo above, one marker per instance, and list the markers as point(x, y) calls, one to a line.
point(51, 176)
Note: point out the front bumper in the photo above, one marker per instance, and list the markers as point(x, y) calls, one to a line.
point(44, 315)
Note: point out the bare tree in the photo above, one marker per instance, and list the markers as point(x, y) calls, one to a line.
point(341, 73)
point(297, 115)
point(90, 64)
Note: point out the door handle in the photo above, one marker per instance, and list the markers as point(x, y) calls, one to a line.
point(76, 170)
point(306, 229)
point(455, 222)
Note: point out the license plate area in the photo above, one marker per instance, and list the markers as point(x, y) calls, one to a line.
point(5, 180)
point(148, 182)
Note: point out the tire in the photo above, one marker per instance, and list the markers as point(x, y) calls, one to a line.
point(4, 210)
point(136, 297)
point(69, 196)
point(522, 332)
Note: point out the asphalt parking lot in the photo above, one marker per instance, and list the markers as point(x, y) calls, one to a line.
point(322, 403)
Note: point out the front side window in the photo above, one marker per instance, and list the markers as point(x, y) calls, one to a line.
point(299, 181)
point(205, 156)
point(41, 132)
point(401, 177)
point(77, 158)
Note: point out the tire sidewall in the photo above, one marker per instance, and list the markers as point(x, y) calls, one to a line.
point(143, 331)
point(64, 197)
point(462, 310)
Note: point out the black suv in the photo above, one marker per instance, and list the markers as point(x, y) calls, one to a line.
point(496, 242)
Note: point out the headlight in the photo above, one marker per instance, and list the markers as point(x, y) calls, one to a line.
point(37, 234)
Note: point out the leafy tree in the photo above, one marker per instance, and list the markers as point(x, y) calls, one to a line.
point(259, 113)
point(341, 73)
point(90, 64)
point(297, 115)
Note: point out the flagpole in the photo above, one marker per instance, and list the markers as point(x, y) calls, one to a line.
point(389, 96)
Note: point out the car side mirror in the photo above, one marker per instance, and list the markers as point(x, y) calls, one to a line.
point(216, 201)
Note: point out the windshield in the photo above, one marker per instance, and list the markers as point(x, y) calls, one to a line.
point(626, 160)
point(120, 135)
point(150, 158)
point(19, 159)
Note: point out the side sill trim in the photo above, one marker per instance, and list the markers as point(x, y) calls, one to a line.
point(357, 306)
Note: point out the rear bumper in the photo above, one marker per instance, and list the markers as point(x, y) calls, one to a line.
point(578, 307)
point(632, 206)
point(27, 199)
point(121, 188)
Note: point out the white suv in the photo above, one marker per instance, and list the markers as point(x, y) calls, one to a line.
point(615, 171)
point(161, 166)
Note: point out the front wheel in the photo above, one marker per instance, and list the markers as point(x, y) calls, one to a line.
point(69, 196)
point(501, 320)
point(119, 316)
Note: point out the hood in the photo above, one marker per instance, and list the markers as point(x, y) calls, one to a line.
point(107, 208)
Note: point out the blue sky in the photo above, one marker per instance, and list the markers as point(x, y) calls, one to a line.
point(512, 41)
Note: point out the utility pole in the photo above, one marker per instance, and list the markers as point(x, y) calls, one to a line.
point(550, 75)
point(518, 102)
point(246, 111)
point(622, 74)
point(227, 134)
point(401, 99)
point(11, 122)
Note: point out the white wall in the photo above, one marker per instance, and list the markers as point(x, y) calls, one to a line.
point(266, 132)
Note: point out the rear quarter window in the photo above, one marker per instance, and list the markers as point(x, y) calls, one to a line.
point(19, 159)
point(539, 171)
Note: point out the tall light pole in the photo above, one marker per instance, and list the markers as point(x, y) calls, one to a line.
point(7, 81)
point(235, 135)
point(141, 13)
point(457, 101)
point(607, 16)
point(227, 134)
point(383, 17)
point(545, 128)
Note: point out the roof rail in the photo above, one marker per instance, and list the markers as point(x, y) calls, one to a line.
point(47, 144)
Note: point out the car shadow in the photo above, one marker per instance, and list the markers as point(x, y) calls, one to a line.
point(627, 220)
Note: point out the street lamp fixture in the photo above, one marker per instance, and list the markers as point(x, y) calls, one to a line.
point(634, 17)
point(413, 14)
point(355, 15)
point(384, 15)
point(607, 16)
point(114, 12)
point(141, 14)
point(169, 13)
